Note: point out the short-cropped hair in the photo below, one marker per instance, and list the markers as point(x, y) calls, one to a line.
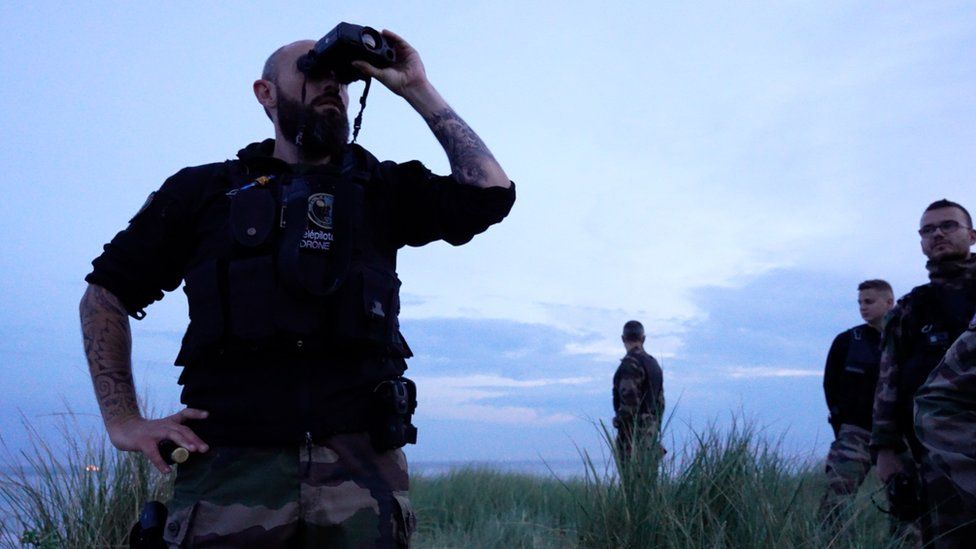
point(944, 203)
point(876, 284)
point(633, 331)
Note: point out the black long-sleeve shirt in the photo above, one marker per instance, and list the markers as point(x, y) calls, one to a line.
point(850, 376)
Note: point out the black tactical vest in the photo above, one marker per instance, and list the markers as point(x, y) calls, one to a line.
point(860, 376)
point(293, 264)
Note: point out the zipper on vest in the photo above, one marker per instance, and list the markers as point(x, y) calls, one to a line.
point(308, 452)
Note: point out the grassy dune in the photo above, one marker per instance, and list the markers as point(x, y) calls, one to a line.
point(727, 489)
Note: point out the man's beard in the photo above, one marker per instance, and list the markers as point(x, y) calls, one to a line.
point(316, 134)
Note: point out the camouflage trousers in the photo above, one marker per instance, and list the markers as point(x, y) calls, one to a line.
point(341, 493)
point(848, 464)
point(643, 433)
point(947, 522)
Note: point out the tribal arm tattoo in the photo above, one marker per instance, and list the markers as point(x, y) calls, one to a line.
point(108, 347)
point(471, 161)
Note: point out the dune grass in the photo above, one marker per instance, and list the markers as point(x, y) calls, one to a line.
point(728, 488)
point(82, 493)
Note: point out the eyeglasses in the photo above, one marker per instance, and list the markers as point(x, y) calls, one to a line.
point(927, 231)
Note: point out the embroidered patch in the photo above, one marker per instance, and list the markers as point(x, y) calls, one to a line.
point(320, 209)
point(318, 232)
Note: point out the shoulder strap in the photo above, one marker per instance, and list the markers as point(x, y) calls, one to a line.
point(357, 164)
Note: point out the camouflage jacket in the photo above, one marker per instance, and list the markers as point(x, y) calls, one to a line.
point(945, 415)
point(918, 331)
point(638, 388)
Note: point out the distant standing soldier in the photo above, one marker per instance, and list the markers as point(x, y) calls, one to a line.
point(638, 393)
point(850, 376)
point(918, 333)
point(945, 420)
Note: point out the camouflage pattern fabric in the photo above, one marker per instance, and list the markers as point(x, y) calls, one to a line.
point(631, 393)
point(337, 494)
point(945, 423)
point(888, 430)
point(848, 463)
point(885, 430)
point(644, 429)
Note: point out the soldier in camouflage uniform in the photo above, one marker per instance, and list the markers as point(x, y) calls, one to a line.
point(850, 376)
point(296, 408)
point(945, 423)
point(918, 332)
point(638, 395)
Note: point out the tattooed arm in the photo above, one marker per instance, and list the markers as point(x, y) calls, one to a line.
point(108, 347)
point(471, 161)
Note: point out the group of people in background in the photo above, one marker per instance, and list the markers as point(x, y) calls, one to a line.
point(899, 397)
point(900, 390)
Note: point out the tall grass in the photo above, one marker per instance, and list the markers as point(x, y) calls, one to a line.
point(480, 507)
point(81, 493)
point(727, 488)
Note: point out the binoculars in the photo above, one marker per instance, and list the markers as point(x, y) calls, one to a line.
point(344, 44)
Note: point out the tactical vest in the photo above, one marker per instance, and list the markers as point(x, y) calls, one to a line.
point(939, 314)
point(294, 264)
point(859, 377)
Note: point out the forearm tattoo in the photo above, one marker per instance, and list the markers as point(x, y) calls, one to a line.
point(466, 151)
point(108, 347)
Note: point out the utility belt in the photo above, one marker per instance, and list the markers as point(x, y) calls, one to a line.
point(382, 409)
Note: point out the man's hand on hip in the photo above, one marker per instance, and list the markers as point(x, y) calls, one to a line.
point(138, 434)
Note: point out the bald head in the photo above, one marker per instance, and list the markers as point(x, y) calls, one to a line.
point(309, 114)
point(283, 56)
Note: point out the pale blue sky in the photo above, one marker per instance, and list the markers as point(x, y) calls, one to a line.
point(725, 172)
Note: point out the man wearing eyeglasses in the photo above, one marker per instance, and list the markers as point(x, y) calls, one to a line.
point(918, 332)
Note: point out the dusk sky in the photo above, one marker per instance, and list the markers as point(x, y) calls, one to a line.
point(725, 172)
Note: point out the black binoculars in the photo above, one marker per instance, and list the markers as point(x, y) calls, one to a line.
point(344, 44)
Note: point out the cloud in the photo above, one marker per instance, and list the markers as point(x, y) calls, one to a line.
point(479, 380)
point(507, 415)
point(461, 397)
point(741, 372)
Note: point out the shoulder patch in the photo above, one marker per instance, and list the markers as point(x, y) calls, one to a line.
point(145, 206)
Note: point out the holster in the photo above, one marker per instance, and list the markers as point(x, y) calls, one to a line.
point(394, 402)
point(904, 497)
point(148, 532)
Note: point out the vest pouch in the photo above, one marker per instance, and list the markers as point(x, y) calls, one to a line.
point(206, 311)
point(250, 295)
point(252, 216)
point(367, 306)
